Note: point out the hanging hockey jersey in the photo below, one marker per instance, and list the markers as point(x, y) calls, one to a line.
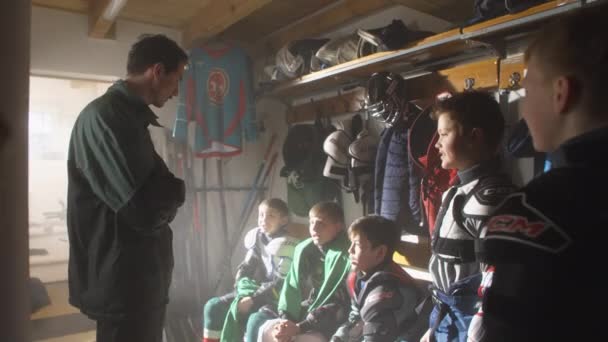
point(216, 101)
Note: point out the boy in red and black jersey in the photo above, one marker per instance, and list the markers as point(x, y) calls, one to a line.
point(384, 297)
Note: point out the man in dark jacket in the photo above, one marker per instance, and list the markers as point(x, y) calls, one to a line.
point(545, 241)
point(121, 198)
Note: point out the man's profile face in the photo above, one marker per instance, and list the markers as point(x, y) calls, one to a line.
point(166, 84)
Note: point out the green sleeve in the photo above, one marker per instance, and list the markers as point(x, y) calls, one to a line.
point(113, 154)
point(290, 300)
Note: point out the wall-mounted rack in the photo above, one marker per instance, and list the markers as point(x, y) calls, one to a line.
point(486, 39)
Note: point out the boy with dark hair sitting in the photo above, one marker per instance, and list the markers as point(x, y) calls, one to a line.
point(470, 127)
point(314, 301)
point(259, 277)
point(384, 297)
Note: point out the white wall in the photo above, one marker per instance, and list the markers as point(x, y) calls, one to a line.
point(60, 43)
point(60, 47)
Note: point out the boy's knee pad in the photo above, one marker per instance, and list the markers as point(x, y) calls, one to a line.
point(254, 323)
point(214, 313)
point(212, 306)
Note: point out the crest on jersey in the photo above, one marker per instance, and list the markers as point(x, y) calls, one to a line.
point(218, 85)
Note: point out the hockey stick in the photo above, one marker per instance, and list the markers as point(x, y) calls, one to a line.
point(247, 210)
point(248, 201)
point(224, 219)
point(205, 230)
point(261, 190)
point(258, 190)
point(256, 180)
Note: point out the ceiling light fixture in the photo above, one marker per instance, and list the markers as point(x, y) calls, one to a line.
point(113, 8)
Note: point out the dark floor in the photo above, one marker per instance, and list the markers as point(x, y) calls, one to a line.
point(60, 322)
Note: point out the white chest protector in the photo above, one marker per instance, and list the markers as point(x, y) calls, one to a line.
point(276, 254)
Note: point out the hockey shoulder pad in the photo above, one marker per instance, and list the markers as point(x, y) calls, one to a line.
point(518, 231)
point(336, 147)
point(281, 251)
point(363, 156)
point(283, 246)
point(487, 194)
point(289, 64)
point(251, 237)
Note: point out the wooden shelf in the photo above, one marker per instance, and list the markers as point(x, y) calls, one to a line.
point(428, 55)
point(416, 262)
point(524, 20)
point(353, 72)
point(414, 252)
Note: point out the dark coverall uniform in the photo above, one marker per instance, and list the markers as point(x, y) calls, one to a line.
point(546, 243)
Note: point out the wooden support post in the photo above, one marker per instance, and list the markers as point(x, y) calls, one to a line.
point(14, 95)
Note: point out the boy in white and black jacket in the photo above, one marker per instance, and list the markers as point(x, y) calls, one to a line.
point(470, 127)
point(259, 277)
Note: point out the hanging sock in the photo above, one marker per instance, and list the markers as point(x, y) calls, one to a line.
point(215, 336)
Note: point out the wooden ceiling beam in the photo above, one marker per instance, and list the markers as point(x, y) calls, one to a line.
point(322, 22)
point(217, 16)
point(274, 17)
point(77, 6)
point(102, 17)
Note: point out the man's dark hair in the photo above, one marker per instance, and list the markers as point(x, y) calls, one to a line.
point(277, 204)
point(475, 109)
point(152, 49)
point(378, 230)
point(575, 46)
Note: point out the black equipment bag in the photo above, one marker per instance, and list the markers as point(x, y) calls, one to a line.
point(488, 9)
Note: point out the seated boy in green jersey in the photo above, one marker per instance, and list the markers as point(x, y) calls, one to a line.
point(314, 300)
